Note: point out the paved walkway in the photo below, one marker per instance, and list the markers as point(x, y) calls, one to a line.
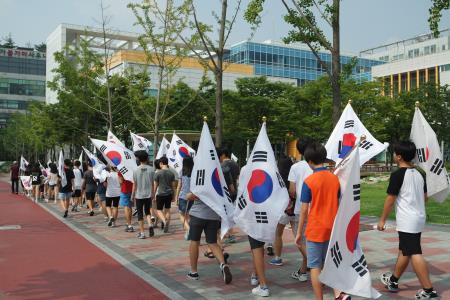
point(163, 262)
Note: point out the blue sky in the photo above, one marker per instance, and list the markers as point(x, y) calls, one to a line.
point(364, 23)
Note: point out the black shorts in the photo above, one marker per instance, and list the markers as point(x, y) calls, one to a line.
point(197, 226)
point(143, 207)
point(163, 202)
point(255, 244)
point(409, 243)
point(76, 193)
point(90, 195)
point(112, 201)
point(51, 186)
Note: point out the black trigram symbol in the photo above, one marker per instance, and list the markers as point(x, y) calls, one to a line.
point(174, 152)
point(179, 142)
point(213, 156)
point(365, 145)
point(261, 217)
point(200, 180)
point(167, 146)
point(356, 192)
point(225, 208)
point(336, 255)
point(123, 170)
point(280, 180)
point(421, 155)
point(349, 124)
point(360, 266)
point(140, 145)
point(227, 193)
point(35, 178)
point(241, 202)
point(176, 165)
point(437, 167)
point(259, 156)
point(127, 155)
point(103, 148)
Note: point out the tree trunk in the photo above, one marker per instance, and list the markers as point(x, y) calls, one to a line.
point(158, 102)
point(336, 64)
point(219, 116)
point(219, 75)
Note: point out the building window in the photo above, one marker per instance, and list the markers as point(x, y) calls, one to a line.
point(433, 49)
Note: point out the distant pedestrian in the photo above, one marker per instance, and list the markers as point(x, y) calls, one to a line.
point(112, 196)
point(78, 181)
point(14, 175)
point(89, 187)
point(52, 182)
point(126, 188)
point(183, 189)
point(66, 190)
point(165, 185)
point(36, 182)
point(143, 193)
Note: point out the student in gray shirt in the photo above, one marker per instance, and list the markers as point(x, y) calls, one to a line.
point(165, 187)
point(143, 192)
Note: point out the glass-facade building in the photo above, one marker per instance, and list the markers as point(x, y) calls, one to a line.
point(22, 80)
point(287, 61)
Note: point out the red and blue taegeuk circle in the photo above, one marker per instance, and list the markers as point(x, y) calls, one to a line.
point(215, 180)
point(184, 152)
point(352, 232)
point(114, 157)
point(260, 186)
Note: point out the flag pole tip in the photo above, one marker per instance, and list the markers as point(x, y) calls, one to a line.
point(205, 119)
point(417, 104)
point(349, 101)
point(363, 137)
point(264, 119)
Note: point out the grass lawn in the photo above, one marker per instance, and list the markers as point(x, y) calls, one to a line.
point(372, 201)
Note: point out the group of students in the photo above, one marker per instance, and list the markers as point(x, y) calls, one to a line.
point(314, 200)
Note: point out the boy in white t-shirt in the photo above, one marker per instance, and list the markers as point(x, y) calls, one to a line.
point(297, 174)
point(408, 191)
point(77, 183)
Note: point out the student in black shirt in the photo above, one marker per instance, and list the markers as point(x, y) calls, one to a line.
point(65, 191)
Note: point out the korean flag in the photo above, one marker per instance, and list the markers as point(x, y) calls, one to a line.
point(97, 165)
point(163, 148)
point(262, 194)
point(345, 265)
point(118, 156)
point(178, 150)
point(347, 133)
point(208, 182)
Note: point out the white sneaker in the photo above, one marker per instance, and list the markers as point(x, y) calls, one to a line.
point(262, 292)
point(254, 280)
point(302, 277)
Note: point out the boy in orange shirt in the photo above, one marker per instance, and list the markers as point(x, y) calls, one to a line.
point(319, 197)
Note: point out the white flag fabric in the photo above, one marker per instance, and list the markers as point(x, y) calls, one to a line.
point(178, 150)
point(97, 165)
point(262, 194)
point(429, 157)
point(61, 171)
point(26, 182)
point(163, 148)
point(114, 139)
point(345, 266)
point(208, 182)
point(234, 157)
point(23, 163)
point(347, 133)
point(140, 143)
point(80, 159)
point(43, 170)
point(118, 156)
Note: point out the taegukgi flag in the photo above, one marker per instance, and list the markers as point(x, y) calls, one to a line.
point(347, 133)
point(163, 148)
point(61, 171)
point(140, 143)
point(178, 150)
point(429, 157)
point(97, 165)
point(208, 182)
point(23, 163)
point(262, 194)
point(26, 182)
point(118, 156)
point(345, 266)
point(114, 139)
